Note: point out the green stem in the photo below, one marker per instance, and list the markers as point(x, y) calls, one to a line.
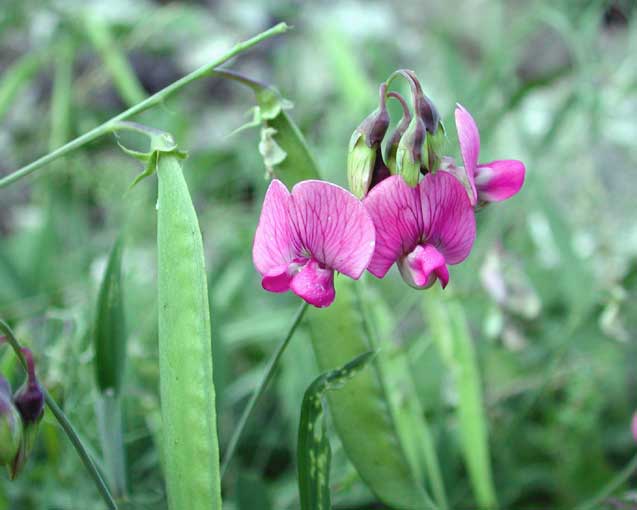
point(151, 101)
point(267, 377)
point(610, 487)
point(109, 419)
point(65, 424)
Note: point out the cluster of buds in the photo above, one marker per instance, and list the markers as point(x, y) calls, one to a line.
point(409, 205)
point(20, 415)
point(412, 149)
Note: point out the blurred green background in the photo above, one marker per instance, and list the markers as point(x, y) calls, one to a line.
point(549, 289)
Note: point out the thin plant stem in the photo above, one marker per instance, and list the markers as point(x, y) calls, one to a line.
point(610, 487)
point(65, 424)
point(154, 100)
point(263, 384)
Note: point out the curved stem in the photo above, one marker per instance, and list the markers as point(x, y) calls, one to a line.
point(151, 101)
point(64, 423)
point(267, 377)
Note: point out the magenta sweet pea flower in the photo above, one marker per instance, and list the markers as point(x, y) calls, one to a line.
point(486, 182)
point(306, 235)
point(423, 229)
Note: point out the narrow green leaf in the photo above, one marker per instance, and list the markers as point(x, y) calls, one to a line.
point(313, 449)
point(449, 328)
point(361, 411)
point(110, 326)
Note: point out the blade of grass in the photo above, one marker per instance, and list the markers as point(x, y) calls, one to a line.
point(17, 76)
point(66, 425)
point(448, 324)
point(120, 70)
point(154, 100)
point(110, 339)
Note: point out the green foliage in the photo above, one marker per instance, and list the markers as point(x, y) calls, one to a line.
point(361, 412)
point(314, 454)
point(551, 83)
point(110, 325)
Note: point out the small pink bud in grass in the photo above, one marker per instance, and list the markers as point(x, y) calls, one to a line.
point(422, 228)
point(487, 182)
point(306, 235)
point(634, 426)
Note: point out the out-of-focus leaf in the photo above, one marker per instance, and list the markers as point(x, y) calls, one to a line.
point(448, 325)
point(252, 493)
point(110, 326)
point(313, 450)
point(16, 77)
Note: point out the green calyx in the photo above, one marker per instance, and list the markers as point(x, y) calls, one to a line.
point(409, 152)
point(160, 143)
point(360, 165)
point(364, 147)
point(435, 144)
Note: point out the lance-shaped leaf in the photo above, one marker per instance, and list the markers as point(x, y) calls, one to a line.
point(313, 450)
point(110, 325)
point(450, 331)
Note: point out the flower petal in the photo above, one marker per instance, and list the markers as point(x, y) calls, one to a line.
point(332, 226)
point(499, 180)
point(315, 284)
point(469, 140)
point(274, 245)
point(423, 266)
point(448, 219)
point(395, 210)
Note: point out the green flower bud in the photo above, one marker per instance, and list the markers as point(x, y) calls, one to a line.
point(10, 425)
point(409, 152)
point(364, 147)
point(360, 165)
point(435, 143)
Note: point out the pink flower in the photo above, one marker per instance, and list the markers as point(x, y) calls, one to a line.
point(487, 182)
point(633, 426)
point(422, 228)
point(306, 235)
